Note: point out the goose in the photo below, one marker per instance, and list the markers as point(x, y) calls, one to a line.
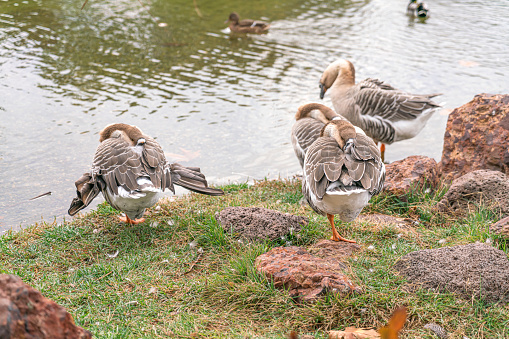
point(310, 119)
point(342, 171)
point(131, 171)
point(246, 25)
point(383, 112)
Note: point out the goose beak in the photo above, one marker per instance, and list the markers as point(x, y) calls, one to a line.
point(322, 90)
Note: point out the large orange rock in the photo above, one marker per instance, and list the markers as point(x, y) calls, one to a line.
point(306, 275)
point(414, 171)
point(25, 313)
point(477, 137)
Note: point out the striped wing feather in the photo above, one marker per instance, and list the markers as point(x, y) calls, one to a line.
point(380, 99)
point(359, 164)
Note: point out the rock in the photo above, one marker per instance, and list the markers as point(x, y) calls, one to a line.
point(256, 223)
point(25, 313)
point(501, 228)
point(477, 137)
point(404, 175)
point(474, 270)
point(308, 276)
point(490, 188)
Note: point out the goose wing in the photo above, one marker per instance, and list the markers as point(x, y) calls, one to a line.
point(323, 164)
point(375, 98)
point(304, 133)
point(364, 163)
point(120, 164)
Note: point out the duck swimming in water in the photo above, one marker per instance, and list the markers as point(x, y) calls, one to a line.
point(131, 171)
point(246, 25)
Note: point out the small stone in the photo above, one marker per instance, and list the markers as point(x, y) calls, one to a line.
point(152, 290)
point(111, 256)
point(371, 248)
point(165, 261)
point(489, 241)
point(393, 246)
point(170, 222)
point(154, 224)
point(157, 208)
point(162, 24)
point(193, 244)
point(442, 241)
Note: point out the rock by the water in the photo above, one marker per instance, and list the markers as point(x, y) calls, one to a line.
point(257, 223)
point(477, 137)
point(411, 172)
point(491, 188)
point(501, 228)
point(308, 276)
point(478, 270)
point(25, 313)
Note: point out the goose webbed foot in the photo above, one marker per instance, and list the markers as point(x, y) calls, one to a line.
point(335, 234)
point(127, 220)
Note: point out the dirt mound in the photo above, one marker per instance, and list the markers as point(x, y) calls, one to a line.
point(256, 223)
point(477, 270)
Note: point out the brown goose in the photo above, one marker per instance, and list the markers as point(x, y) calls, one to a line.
point(342, 171)
point(383, 112)
point(310, 120)
point(246, 25)
point(130, 169)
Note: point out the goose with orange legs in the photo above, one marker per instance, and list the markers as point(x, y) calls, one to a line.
point(342, 171)
point(131, 171)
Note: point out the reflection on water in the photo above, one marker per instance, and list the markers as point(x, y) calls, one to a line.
point(223, 103)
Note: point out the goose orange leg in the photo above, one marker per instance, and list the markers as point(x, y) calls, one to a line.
point(335, 234)
point(127, 220)
point(382, 151)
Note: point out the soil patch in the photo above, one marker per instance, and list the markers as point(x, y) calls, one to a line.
point(257, 223)
point(477, 270)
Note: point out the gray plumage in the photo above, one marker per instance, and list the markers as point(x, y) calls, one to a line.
point(383, 112)
point(136, 166)
point(311, 118)
point(342, 162)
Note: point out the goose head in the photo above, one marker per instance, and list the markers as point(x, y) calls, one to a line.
point(130, 133)
point(316, 111)
point(234, 17)
point(341, 130)
point(340, 70)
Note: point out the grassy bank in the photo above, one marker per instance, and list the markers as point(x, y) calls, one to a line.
point(178, 275)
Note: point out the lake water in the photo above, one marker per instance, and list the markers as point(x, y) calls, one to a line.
point(223, 103)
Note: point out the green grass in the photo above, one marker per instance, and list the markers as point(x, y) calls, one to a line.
point(160, 285)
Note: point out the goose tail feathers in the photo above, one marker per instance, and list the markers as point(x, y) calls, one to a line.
point(192, 179)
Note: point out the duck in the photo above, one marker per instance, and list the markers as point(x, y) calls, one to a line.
point(418, 9)
point(422, 10)
point(246, 25)
point(411, 9)
point(131, 171)
point(343, 169)
point(383, 112)
point(310, 120)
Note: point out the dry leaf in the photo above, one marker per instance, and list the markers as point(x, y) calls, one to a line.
point(354, 333)
point(395, 325)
